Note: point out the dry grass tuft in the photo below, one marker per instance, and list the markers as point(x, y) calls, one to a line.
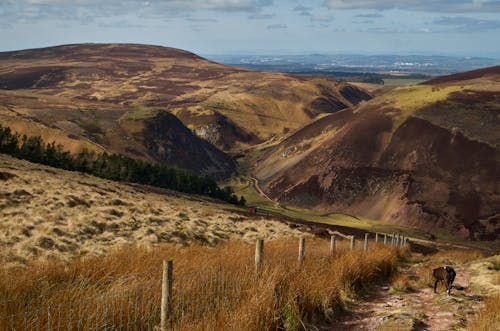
point(401, 283)
point(215, 288)
point(458, 256)
point(47, 214)
point(488, 318)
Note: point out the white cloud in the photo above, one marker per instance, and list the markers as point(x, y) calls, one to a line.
point(371, 15)
point(466, 24)
point(447, 6)
point(276, 26)
point(28, 11)
point(261, 16)
point(321, 18)
point(303, 10)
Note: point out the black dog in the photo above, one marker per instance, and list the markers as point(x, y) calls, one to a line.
point(446, 274)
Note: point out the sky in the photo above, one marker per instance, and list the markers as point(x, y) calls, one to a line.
point(430, 27)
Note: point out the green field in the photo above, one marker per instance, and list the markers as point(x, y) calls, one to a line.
point(244, 186)
point(402, 81)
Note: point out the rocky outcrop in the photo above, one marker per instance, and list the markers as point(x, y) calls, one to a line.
point(167, 140)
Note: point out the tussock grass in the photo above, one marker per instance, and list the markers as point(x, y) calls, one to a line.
point(488, 318)
point(401, 283)
point(457, 256)
point(453, 257)
point(52, 214)
point(215, 287)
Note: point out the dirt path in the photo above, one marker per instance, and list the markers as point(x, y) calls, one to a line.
point(259, 190)
point(418, 308)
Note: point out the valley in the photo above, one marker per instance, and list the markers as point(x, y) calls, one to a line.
point(372, 158)
point(400, 158)
point(118, 97)
point(312, 156)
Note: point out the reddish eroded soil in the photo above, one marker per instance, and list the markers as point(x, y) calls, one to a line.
point(415, 309)
point(253, 106)
point(415, 174)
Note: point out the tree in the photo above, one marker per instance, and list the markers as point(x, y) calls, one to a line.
point(113, 166)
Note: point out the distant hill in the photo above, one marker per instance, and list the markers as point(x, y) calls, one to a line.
point(426, 156)
point(114, 97)
point(355, 64)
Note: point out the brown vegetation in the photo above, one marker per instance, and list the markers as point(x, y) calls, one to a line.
point(284, 296)
point(488, 318)
point(424, 156)
point(409, 302)
point(106, 96)
point(46, 213)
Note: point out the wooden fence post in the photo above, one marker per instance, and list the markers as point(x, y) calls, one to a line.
point(366, 242)
point(393, 239)
point(376, 237)
point(259, 255)
point(302, 253)
point(332, 244)
point(385, 238)
point(166, 293)
point(352, 243)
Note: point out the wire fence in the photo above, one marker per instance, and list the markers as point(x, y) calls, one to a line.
point(126, 310)
point(136, 303)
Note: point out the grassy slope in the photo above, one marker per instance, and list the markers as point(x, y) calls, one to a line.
point(214, 288)
point(95, 85)
point(468, 107)
point(49, 213)
point(402, 81)
point(245, 187)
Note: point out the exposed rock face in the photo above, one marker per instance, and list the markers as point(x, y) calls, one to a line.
point(102, 96)
point(168, 140)
point(433, 167)
point(221, 131)
point(354, 95)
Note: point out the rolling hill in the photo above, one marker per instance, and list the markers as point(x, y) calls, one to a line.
point(117, 97)
point(425, 156)
point(48, 213)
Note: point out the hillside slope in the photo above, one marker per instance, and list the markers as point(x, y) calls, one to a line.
point(51, 213)
point(108, 96)
point(425, 156)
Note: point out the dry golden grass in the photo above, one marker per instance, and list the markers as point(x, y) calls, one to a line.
point(423, 265)
point(401, 283)
point(457, 256)
point(46, 213)
point(132, 86)
point(488, 318)
point(215, 288)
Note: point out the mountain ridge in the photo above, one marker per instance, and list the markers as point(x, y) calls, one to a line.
point(425, 156)
point(101, 96)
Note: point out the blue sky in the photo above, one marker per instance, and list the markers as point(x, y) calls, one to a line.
point(458, 27)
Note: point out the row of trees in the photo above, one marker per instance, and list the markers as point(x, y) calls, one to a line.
point(112, 166)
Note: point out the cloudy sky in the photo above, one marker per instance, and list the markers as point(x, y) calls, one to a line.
point(449, 27)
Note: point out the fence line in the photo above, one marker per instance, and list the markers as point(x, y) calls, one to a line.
point(149, 305)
